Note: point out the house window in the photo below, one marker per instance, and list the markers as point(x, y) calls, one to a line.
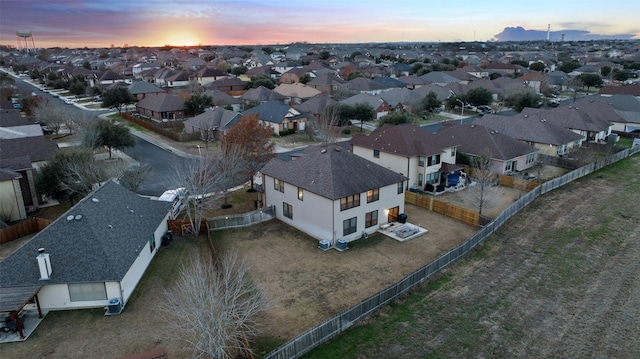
point(287, 210)
point(531, 158)
point(278, 185)
point(376, 153)
point(349, 201)
point(421, 161)
point(300, 193)
point(87, 291)
point(371, 219)
point(152, 243)
point(420, 179)
point(433, 160)
point(373, 195)
point(285, 126)
point(432, 178)
point(400, 187)
point(453, 152)
point(349, 226)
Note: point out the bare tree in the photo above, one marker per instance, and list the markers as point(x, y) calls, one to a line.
point(213, 307)
point(206, 180)
point(134, 176)
point(326, 127)
point(482, 189)
point(54, 117)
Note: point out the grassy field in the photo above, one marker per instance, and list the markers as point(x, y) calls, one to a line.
point(558, 280)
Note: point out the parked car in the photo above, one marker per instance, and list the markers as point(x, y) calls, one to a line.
point(68, 102)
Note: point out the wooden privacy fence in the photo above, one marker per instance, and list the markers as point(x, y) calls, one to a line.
point(24, 228)
point(461, 214)
point(337, 324)
point(172, 129)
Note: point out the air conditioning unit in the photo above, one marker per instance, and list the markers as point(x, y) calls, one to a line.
point(114, 307)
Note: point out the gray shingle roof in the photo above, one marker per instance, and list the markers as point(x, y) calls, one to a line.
point(101, 246)
point(331, 172)
point(479, 140)
point(529, 128)
point(161, 102)
point(271, 111)
point(144, 87)
point(37, 148)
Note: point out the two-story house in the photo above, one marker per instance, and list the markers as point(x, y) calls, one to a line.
point(406, 149)
point(331, 194)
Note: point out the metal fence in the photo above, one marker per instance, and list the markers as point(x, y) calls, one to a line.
point(340, 322)
point(241, 220)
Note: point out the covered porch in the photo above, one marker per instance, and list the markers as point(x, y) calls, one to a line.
point(20, 313)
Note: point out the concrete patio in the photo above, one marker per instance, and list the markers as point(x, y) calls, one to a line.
point(402, 232)
point(30, 323)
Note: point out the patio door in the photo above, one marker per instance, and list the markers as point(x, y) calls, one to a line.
point(393, 214)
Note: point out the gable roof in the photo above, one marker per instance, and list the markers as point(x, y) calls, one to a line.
point(404, 140)
point(529, 128)
point(21, 131)
point(115, 226)
point(315, 105)
point(438, 77)
point(479, 140)
point(261, 94)
point(298, 90)
point(161, 102)
point(273, 111)
point(144, 87)
point(218, 118)
point(583, 115)
point(38, 148)
point(331, 172)
point(11, 117)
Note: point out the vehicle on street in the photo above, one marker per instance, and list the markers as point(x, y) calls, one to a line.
point(68, 102)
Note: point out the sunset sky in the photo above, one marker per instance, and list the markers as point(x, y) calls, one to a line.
point(101, 23)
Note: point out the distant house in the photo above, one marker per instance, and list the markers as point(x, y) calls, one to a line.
point(207, 75)
point(232, 86)
point(161, 106)
point(332, 194)
point(627, 108)
point(279, 116)
point(533, 129)
point(296, 93)
point(17, 188)
point(261, 94)
point(423, 157)
point(315, 105)
point(506, 153)
point(326, 83)
point(376, 102)
point(213, 123)
point(140, 89)
point(589, 119)
point(97, 251)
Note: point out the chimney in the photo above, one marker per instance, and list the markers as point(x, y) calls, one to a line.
point(44, 263)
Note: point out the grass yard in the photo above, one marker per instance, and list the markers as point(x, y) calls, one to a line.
point(559, 280)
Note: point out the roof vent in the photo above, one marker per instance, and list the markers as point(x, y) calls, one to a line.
point(324, 150)
point(78, 217)
point(525, 116)
point(44, 264)
point(337, 149)
point(70, 217)
point(95, 200)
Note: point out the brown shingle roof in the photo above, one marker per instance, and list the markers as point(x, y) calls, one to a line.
point(479, 140)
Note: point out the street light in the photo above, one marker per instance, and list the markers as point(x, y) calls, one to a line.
point(461, 106)
point(199, 152)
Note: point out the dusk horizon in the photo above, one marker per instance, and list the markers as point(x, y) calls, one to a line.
point(156, 23)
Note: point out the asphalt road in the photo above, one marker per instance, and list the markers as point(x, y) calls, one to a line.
point(163, 167)
point(162, 175)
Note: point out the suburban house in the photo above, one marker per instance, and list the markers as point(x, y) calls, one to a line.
point(627, 107)
point(380, 106)
point(97, 251)
point(140, 89)
point(207, 75)
point(161, 107)
point(406, 149)
point(279, 116)
point(213, 123)
point(296, 93)
point(18, 193)
point(507, 155)
point(586, 118)
point(261, 94)
point(549, 138)
point(330, 193)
